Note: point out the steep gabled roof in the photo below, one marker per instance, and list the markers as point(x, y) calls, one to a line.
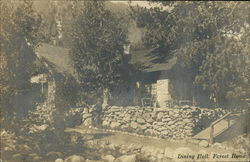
point(151, 60)
point(58, 56)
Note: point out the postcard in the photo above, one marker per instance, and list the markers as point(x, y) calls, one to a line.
point(124, 81)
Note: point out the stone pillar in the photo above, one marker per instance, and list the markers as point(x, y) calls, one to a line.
point(51, 91)
point(163, 95)
point(50, 104)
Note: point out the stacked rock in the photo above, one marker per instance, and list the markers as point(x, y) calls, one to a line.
point(87, 118)
point(176, 123)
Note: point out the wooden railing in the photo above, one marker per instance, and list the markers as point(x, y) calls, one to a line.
point(211, 140)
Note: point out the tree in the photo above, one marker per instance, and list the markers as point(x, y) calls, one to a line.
point(19, 35)
point(57, 21)
point(97, 51)
point(210, 39)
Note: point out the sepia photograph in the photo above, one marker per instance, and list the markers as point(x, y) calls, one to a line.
point(124, 81)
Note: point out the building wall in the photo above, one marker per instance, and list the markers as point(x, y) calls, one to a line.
point(162, 92)
point(158, 91)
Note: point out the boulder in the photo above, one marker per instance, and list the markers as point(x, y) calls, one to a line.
point(75, 158)
point(160, 115)
point(88, 122)
point(126, 158)
point(140, 120)
point(134, 125)
point(88, 160)
point(125, 126)
point(170, 122)
point(105, 123)
point(150, 120)
point(40, 127)
point(59, 160)
point(187, 127)
point(37, 158)
point(124, 149)
point(217, 145)
point(185, 106)
point(161, 128)
point(85, 110)
point(127, 117)
point(166, 119)
point(176, 115)
point(147, 116)
point(203, 143)
point(115, 109)
point(165, 132)
point(108, 158)
point(160, 123)
point(91, 109)
point(149, 131)
point(181, 123)
point(85, 116)
point(145, 126)
point(173, 127)
point(115, 124)
point(187, 121)
point(156, 127)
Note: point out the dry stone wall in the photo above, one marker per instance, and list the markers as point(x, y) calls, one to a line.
point(178, 123)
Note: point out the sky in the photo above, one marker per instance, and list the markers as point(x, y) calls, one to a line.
point(139, 3)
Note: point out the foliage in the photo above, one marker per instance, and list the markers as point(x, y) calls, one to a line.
point(210, 39)
point(97, 52)
point(57, 21)
point(74, 117)
point(19, 35)
point(67, 90)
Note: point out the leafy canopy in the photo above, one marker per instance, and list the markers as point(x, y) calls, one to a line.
point(20, 34)
point(97, 52)
point(209, 38)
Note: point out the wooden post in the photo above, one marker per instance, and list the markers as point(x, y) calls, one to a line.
point(228, 123)
point(138, 101)
point(42, 87)
point(212, 134)
point(212, 126)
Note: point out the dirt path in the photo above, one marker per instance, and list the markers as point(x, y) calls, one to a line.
point(121, 138)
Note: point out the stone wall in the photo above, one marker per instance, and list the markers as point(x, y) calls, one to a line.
point(179, 122)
